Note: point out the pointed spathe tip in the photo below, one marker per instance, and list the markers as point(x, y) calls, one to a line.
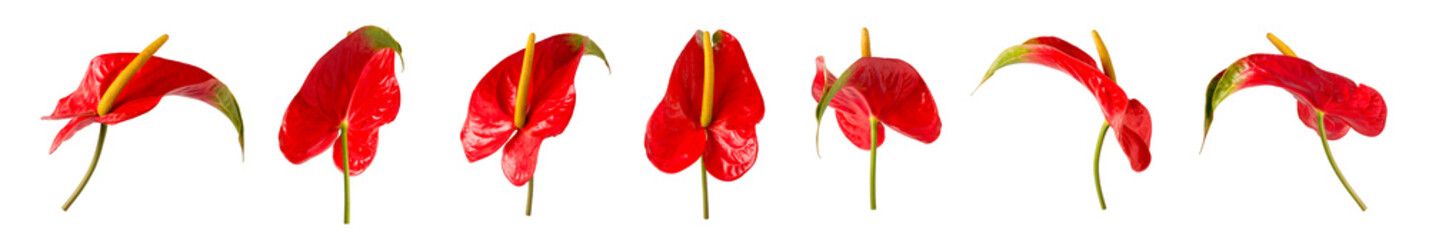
point(817, 152)
point(1203, 146)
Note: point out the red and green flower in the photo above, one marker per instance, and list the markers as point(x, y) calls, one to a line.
point(527, 97)
point(872, 93)
point(350, 92)
point(1130, 119)
point(1326, 102)
point(708, 112)
point(122, 86)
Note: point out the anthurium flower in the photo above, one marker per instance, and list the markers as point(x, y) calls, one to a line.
point(122, 86)
point(527, 97)
point(1326, 102)
point(709, 112)
point(349, 94)
point(871, 93)
point(1130, 119)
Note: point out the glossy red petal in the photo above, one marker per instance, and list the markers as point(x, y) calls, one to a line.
point(737, 100)
point(361, 148)
point(1064, 46)
point(303, 136)
point(1334, 128)
point(377, 96)
point(672, 143)
point(1365, 111)
point(854, 125)
point(731, 150)
point(311, 121)
point(83, 101)
point(895, 93)
point(518, 158)
point(553, 72)
point(157, 78)
point(1344, 102)
point(899, 97)
point(552, 105)
point(673, 137)
point(738, 107)
point(489, 117)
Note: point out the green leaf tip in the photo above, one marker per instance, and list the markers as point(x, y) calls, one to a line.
point(590, 48)
point(225, 102)
point(830, 91)
point(1011, 55)
point(379, 38)
point(1220, 87)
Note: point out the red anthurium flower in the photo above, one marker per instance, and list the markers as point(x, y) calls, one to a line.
point(709, 112)
point(122, 86)
point(349, 94)
point(524, 99)
point(874, 92)
point(1326, 102)
point(1130, 119)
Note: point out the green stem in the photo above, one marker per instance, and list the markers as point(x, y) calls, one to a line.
point(704, 187)
point(346, 192)
point(1096, 164)
point(98, 147)
point(530, 191)
point(1320, 126)
point(873, 163)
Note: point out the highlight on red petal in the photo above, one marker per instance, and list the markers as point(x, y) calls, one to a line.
point(731, 150)
point(361, 147)
point(488, 119)
point(1128, 117)
point(157, 78)
point(551, 100)
point(1345, 103)
point(353, 82)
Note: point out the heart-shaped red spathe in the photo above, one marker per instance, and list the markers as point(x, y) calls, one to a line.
point(354, 83)
point(886, 88)
point(1346, 104)
point(1128, 117)
point(674, 139)
point(157, 78)
point(552, 98)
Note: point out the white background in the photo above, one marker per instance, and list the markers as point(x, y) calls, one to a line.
point(1013, 160)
